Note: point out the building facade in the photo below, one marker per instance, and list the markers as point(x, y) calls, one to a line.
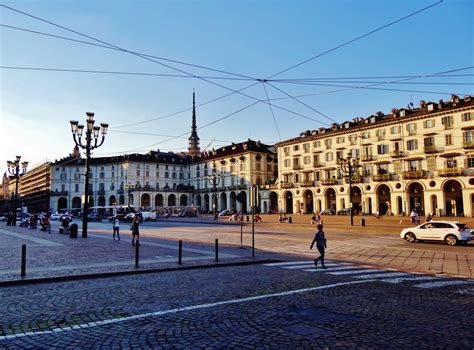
point(420, 158)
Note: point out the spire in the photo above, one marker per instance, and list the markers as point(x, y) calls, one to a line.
point(193, 149)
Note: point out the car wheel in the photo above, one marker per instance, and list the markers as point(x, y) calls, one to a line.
point(410, 237)
point(451, 240)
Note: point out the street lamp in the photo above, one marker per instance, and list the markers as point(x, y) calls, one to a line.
point(129, 187)
point(349, 166)
point(214, 180)
point(14, 169)
point(90, 143)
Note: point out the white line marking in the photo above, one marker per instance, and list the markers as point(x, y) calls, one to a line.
point(409, 278)
point(289, 263)
point(339, 273)
point(440, 284)
point(183, 309)
point(43, 242)
point(301, 266)
point(384, 275)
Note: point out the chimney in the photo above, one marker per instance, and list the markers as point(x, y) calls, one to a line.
point(422, 103)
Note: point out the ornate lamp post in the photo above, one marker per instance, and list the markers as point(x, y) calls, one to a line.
point(14, 169)
point(91, 142)
point(214, 180)
point(349, 166)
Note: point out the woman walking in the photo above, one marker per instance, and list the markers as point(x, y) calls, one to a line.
point(135, 232)
point(320, 240)
point(116, 226)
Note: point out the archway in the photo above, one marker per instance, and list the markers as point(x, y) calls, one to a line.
point(383, 197)
point(206, 203)
point(62, 203)
point(121, 199)
point(330, 196)
point(434, 204)
point(183, 200)
point(145, 201)
point(223, 201)
point(288, 202)
point(76, 203)
point(198, 201)
point(415, 193)
point(356, 200)
point(233, 201)
point(91, 201)
point(159, 200)
point(242, 199)
point(308, 200)
point(452, 191)
point(101, 201)
point(171, 200)
point(112, 201)
point(273, 207)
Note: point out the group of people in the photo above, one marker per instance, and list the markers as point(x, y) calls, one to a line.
point(134, 227)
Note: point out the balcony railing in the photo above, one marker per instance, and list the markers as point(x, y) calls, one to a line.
point(396, 154)
point(413, 174)
point(468, 144)
point(448, 126)
point(380, 137)
point(450, 172)
point(120, 191)
point(317, 164)
point(411, 132)
point(329, 182)
point(382, 177)
point(101, 192)
point(355, 179)
point(430, 149)
point(307, 183)
point(286, 185)
point(366, 157)
point(59, 193)
point(296, 166)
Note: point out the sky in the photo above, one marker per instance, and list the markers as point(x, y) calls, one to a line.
point(348, 68)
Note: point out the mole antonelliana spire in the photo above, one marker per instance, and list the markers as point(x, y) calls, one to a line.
point(193, 149)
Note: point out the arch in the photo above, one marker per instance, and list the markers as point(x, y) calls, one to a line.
point(273, 207)
point(233, 200)
point(91, 201)
point(76, 203)
point(159, 200)
point(206, 202)
point(62, 203)
point(242, 199)
point(452, 192)
point(330, 197)
point(101, 201)
point(183, 200)
point(415, 192)
point(198, 201)
point(383, 197)
point(288, 202)
point(121, 199)
point(342, 203)
point(223, 201)
point(112, 200)
point(356, 196)
point(308, 201)
point(171, 200)
point(145, 201)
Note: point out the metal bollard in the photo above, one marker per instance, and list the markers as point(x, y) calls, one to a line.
point(217, 249)
point(248, 220)
point(180, 252)
point(23, 260)
point(137, 252)
point(290, 220)
point(362, 222)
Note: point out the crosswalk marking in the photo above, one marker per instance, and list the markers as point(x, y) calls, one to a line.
point(304, 262)
point(409, 278)
point(383, 275)
point(341, 273)
point(301, 266)
point(441, 284)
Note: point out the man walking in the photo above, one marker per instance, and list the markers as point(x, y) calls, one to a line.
point(116, 227)
point(320, 240)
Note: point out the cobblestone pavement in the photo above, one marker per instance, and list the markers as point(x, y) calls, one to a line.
point(273, 306)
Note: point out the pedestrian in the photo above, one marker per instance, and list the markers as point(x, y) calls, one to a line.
point(116, 226)
point(413, 216)
point(135, 231)
point(429, 217)
point(320, 240)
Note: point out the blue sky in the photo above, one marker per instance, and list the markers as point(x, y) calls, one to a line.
point(253, 38)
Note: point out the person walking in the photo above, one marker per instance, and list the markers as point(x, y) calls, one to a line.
point(116, 226)
point(135, 231)
point(320, 240)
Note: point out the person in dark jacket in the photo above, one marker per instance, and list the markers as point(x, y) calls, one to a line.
point(135, 231)
point(320, 240)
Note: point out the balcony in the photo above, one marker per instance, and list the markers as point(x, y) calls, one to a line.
point(329, 182)
point(411, 132)
point(307, 183)
point(448, 126)
point(450, 172)
point(430, 149)
point(382, 177)
point(296, 166)
point(380, 137)
point(366, 157)
point(355, 179)
point(317, 164)
point(286, 185)
point(413, 174)
point(468, 144)
point(101, 192)
point(59, 193)
point(396, 154)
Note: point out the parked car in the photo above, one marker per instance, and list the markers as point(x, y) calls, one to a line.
point(129, 217)
point(344, 211)
point(121, 217)
point(3, 217)
point(187, 214)
point(450, 232)
point(148, 215)
point(328, 212)
point(55, 216)
point(226, 212)
point(94, 217)
point(65, 216)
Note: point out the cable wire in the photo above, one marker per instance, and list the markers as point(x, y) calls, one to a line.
point(271, 110)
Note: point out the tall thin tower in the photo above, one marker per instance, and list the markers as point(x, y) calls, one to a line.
point(193, 149)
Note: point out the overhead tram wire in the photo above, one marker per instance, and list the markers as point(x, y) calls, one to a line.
point(316, 82)
point(157, 62)
point(107, 46)
point(162, 135)
point(271, 110)
point(355, 39)
point(367, 77)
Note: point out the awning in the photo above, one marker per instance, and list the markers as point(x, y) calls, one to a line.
point(452, 154)
point(382, 162)
point(414, 158)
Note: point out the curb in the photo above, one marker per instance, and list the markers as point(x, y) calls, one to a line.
point(126, 273)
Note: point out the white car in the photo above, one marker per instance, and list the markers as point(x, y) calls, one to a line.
point(450, 232)
point(55, 216)
point(226, 212)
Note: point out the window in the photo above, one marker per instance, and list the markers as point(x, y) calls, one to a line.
point(286, 163)
point(468, 136)
point(412, 165)
point(355, 153)
point(365, 135)
point(147, 173)
point(328, 143)
point(76, 187)
point(382, 168)
point(167, 174)
point(296, 147)
point(286, 151)
point(101, 186)
point(431, 162)
point(430, 123)
point(102, 175)
point(411, 128)
point(306, 147)
point(329, 157)
point(382, 149)
point(470, 161)
point(395, 129)
point(269, 167)
point(367, 170)
point(317, 144)
point(306, 159)
point(451, 162)
point(428, 141)
point(380, 133)
point(465, 117)
point(447, 121)
point(259, 166)
point(138, 172)
point(63, 176)
point(296, 162)
point(242, 166)
point(112, 186)
point(339, 155)
point(340, 139)
point(173, 175)
point(397, 167)
point(316, 160)
point(448, 138)
point(63, 188)
point(412, 145)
